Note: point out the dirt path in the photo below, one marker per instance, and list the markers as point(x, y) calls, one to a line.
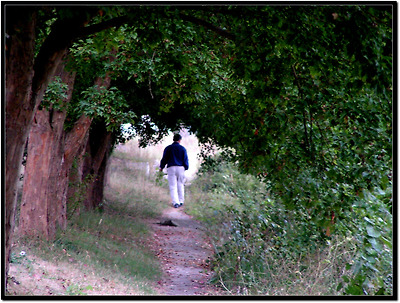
point(184, 252)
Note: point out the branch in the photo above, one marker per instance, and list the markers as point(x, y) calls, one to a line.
point(218, 30)
point(304, 113)
point(115, 22)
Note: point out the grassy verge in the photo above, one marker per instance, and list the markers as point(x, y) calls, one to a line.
point(101, 252)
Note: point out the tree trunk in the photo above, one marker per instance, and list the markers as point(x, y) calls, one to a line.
point(75, 145)
point(50, 157)
point(77, 186)
point(20, 39)
point(43, 151)
point(43, 206)
point(95, 163)
point(98, 186)
point(27, 80)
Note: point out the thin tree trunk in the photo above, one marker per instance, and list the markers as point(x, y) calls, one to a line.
point(77, 186)
point(97, 149)
point(95, 163)
point(98, 186)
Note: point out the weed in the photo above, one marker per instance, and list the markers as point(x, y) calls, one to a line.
point(21, 258)
point(76, 290)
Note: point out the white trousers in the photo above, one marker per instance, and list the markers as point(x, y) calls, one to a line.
point(176, 180)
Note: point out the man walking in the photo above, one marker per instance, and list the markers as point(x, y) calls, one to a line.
point(176, 159)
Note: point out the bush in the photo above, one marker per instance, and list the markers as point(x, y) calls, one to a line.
point(371, 225)
point(262, 247)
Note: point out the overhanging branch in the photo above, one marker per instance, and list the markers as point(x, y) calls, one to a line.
point(92, 29)
point(216, 29)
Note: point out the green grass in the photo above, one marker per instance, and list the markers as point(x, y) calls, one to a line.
point(115, 240)
point(113, 243)
point(132, 192)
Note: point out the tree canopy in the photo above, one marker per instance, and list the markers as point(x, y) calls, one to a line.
point(309, 103)
point(299, 95)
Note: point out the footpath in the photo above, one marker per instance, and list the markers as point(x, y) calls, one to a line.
point(184, 252)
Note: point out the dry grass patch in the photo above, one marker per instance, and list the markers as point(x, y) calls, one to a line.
point(35, 276)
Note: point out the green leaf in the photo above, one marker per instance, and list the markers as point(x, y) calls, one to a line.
point(380, 292)
point(354, 290)
point(372, 232)
point(375, 245)
point(369, 220)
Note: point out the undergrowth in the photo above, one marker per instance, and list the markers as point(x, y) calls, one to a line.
point(264, 248)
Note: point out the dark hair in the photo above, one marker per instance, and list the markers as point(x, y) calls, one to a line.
point(177, 137)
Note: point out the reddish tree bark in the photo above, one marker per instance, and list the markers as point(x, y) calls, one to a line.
point(27, 79)
point(19, 74)
point(46, 172)
point(43, 155)
point(51, 153)
point(95, 163)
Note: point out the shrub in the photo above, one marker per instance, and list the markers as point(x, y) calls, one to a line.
point(370, 225)
point(262, 247)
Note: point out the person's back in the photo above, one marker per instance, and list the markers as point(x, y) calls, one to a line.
point(175, 155)
point(176, 159)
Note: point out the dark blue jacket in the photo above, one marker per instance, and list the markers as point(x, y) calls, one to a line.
point(175, 155)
